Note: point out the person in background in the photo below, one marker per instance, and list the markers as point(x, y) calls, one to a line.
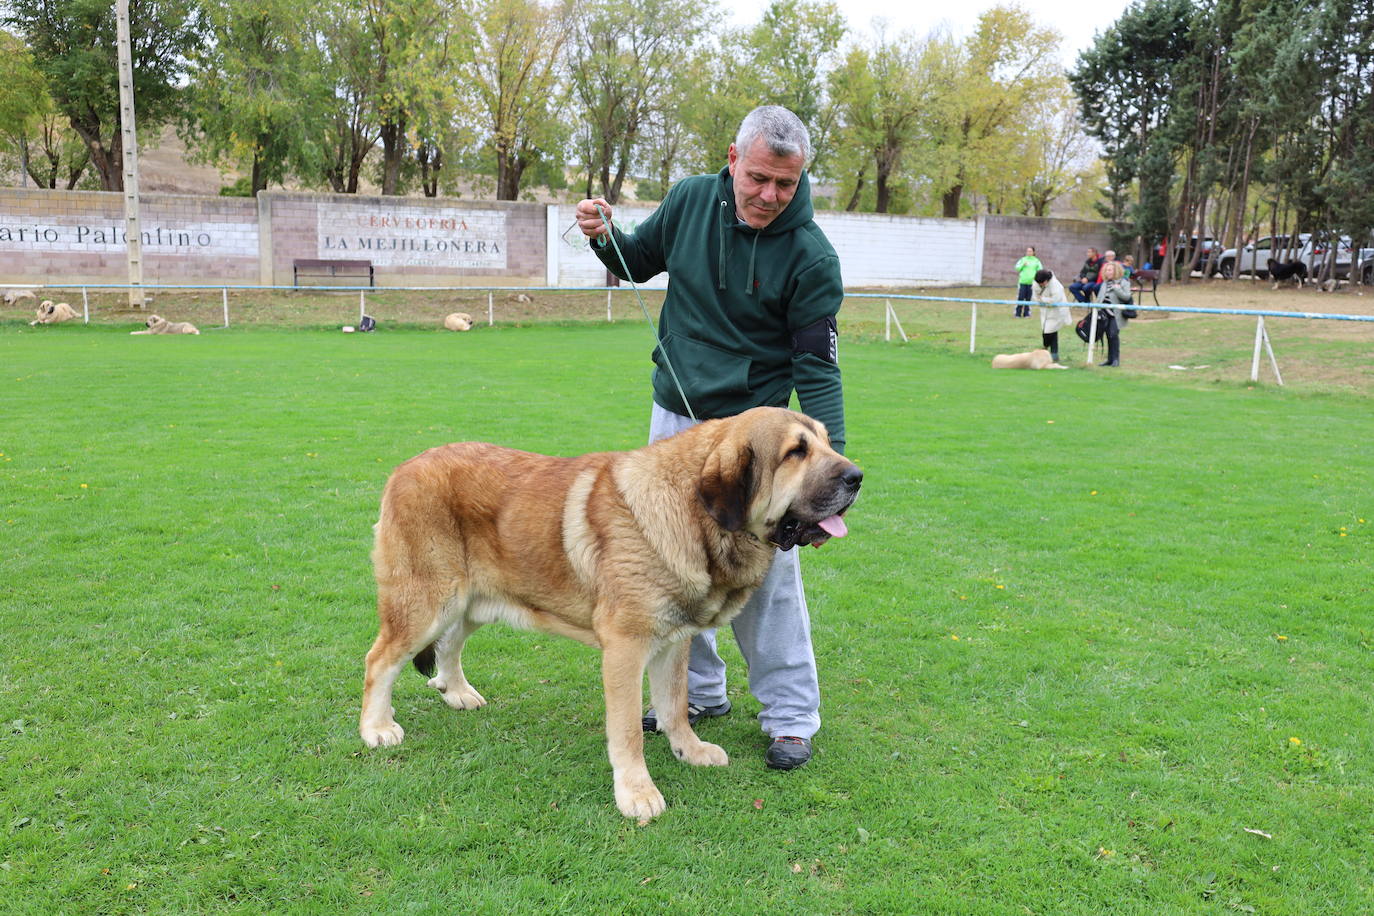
point(1128, 264)
point(1115, 295)
point(1026, 269)
point(1054, 310)
point(1085, 287)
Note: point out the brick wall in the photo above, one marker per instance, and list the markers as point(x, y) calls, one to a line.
point(874, 250)
point(410, 241)
point(49, 237)
point(1060, 244)
point(66, 237)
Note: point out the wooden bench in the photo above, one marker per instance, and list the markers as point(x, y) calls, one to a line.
point(348, 270)
point(1145, 281)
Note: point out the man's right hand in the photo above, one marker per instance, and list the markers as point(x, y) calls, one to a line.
point(589, 221)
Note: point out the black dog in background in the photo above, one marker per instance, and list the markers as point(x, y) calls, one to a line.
point(1279, 272)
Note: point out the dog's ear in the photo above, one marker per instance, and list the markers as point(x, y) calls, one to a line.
point(727, 484)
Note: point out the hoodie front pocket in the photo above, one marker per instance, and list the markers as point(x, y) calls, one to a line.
point(707, 373)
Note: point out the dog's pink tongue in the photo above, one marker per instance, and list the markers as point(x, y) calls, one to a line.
point(834, 526)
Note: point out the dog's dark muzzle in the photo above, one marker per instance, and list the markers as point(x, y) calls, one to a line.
point(819, 522)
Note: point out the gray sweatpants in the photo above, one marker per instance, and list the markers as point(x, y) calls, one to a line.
point(773, 633)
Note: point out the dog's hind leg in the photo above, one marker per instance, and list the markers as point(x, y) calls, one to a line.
point(668, 692)
point(448, 678)
point(409, 623)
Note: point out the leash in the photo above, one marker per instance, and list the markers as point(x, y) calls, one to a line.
point(658, 344)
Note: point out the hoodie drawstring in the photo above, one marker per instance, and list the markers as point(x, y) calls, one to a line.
point(724, 218)
point(725, 230)
point(749, 289)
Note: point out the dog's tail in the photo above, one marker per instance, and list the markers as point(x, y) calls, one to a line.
point(424, 661)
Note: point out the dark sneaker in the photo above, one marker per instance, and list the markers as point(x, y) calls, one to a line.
point(694, 714)
point(787, 753)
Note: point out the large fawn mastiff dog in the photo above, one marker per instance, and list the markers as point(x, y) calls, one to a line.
point(631, 552)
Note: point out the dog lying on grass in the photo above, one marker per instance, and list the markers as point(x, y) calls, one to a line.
point(1035, 359)
point(159, 325)
point(1279, 272)
point(458, 321)
point(54, 313)
point(633, 553)
point(12, 296)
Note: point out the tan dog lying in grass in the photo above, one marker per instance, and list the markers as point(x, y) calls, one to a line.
point(1035, 359)
point(54, 313)
point(458, 321)
point(631, 552)
point(159, 325)
point(14, 295)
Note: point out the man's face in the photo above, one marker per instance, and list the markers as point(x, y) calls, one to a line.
point(764, 183)
point(1092, 254)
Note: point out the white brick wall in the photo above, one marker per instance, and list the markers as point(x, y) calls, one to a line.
point(577, 266)
point(881, 250)
point(874, 250)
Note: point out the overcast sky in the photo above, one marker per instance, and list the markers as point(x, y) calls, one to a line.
point(1077, 20)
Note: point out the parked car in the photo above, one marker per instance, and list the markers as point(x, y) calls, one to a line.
point(1254, 257)
point(1365, 271)
point(1316, 250)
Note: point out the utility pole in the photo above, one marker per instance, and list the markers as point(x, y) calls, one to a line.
point(133, 230)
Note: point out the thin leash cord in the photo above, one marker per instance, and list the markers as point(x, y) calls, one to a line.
point(658, 344)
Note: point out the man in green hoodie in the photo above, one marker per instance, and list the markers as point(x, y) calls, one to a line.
point(748, 318)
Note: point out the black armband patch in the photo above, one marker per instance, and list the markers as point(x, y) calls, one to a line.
point(819, 339)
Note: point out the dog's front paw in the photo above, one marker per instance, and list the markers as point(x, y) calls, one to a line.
point(639, 798)
point(383, 735)
point(702, 754)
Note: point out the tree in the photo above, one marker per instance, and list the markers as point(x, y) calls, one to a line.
point(516, 68)
point(351, 123)
point(46, 150)
point(74, 47)
point(879, 96)
point(621, 53)
point(794, 45)
point(986, 88)
point(257, 95)
point(414, 49)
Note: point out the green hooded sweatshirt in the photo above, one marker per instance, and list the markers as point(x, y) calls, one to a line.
point(737, 298)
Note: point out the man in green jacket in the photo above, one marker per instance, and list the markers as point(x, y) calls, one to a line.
point(749, 317)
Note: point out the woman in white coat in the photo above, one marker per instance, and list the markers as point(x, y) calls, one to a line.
point(1054, 310)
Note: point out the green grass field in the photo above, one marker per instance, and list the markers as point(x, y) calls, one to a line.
point(1098, 643)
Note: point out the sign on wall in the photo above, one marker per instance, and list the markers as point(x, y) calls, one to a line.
point(413, 236)
point(98, 235)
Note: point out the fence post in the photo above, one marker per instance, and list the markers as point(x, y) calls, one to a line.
point(1272, 361)
point(1259, 340)
point(362, 305)
point(491, 308)
point(887, 320)
point(1092, 331)
point(892, 313)
point(973, 328)
point(608, 304)
point(225, 291)
point(85, 305)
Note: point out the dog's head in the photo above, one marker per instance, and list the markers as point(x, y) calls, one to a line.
point(774, 475)
point(46, 308)
point(153, 321)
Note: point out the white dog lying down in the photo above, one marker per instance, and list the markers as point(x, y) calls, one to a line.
point(458, 321)
point(50, 313)
point(12, 296)
point(157, 325)
point(1035, 359)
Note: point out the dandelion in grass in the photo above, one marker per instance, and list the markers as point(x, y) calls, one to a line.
point(1280, 637)
point(1296, 742)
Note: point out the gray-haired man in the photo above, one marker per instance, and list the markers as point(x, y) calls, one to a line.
point(749, 317)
